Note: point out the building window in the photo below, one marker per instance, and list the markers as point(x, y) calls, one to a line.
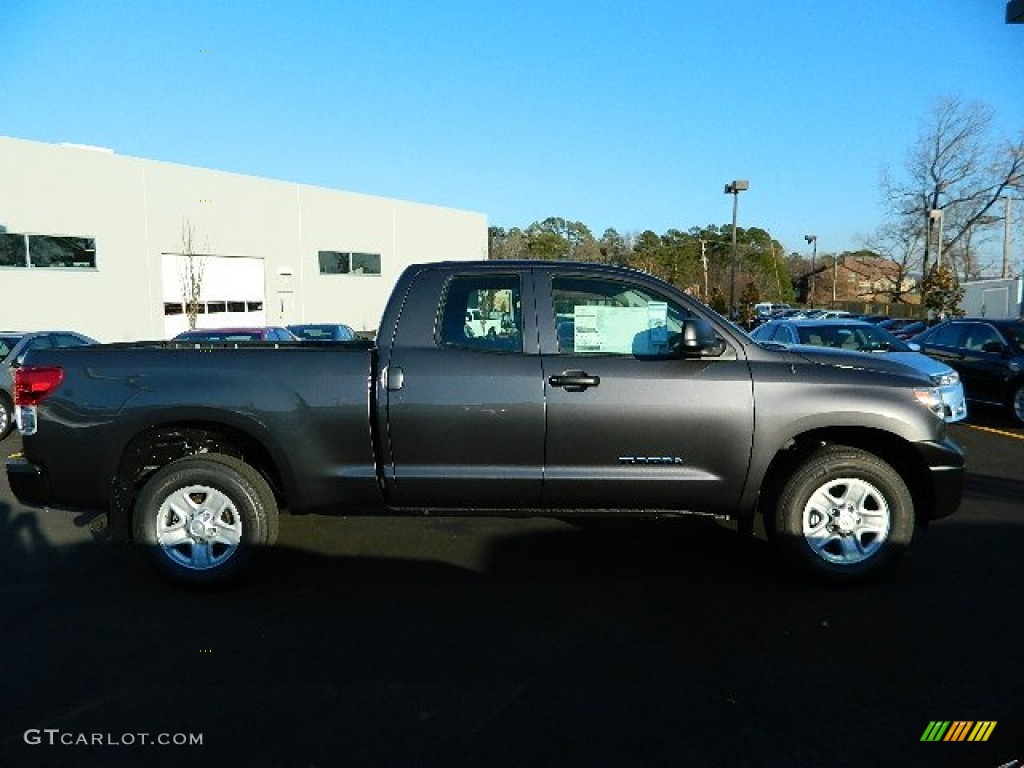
point(54, 251)
point(333, 263)
point(365, 263)
point(47, 251)
point(348, 263)
point(12, 251)
point(172, 308)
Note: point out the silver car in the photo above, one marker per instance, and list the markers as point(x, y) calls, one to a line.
point(13, 347)
point(859, 336)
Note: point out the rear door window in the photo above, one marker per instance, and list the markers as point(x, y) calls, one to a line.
point(482, 312)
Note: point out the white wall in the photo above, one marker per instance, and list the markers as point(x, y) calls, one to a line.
point(136, 209)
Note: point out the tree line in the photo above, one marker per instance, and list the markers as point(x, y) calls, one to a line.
point(697, 261)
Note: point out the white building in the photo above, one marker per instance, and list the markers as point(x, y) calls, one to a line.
point(94, 241)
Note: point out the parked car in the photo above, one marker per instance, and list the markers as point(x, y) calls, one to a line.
point(904, 327)
point(478, 324)
point(827, 314)
point(766, 309)
point(323, 332)
point(269, 333)
point(859, 336)
point(13, 346)
point(989, 356)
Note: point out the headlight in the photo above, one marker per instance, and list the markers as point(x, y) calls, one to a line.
point(930, 398)
point(946, 379)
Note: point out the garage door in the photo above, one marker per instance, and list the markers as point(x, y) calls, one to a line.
point(231, 291)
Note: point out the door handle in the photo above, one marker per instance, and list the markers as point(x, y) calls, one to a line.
point(394, 378)
point(574, 381)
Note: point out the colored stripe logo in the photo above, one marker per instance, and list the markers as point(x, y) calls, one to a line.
point(958, 730)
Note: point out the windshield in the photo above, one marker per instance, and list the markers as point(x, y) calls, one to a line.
point(858, 338)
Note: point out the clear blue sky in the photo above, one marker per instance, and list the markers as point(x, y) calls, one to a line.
point(616, 114)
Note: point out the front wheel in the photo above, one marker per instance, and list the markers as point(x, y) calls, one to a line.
point(202, 519)
point(844, 515)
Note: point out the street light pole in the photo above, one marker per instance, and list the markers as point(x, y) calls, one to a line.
point(734, 188)
point(936, 214)
point(1006, 237)
point(704, 261)
point(835, 278)
point(812, 240)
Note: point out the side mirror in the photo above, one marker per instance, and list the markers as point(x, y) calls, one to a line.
point(698, 339)
point(914, 346)
point(996, 347)
point(18, 361)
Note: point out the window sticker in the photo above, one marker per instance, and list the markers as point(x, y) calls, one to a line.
point(639, 331)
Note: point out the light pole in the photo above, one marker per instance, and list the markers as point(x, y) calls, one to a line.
point(835, 278)
point(813, 241)
point(1007, 219)
point(704, 261)
point(734, 188)
point(935, 215)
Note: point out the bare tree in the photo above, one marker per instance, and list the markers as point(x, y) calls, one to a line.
point(901, 243)
point(190, 272)
point(956, 168)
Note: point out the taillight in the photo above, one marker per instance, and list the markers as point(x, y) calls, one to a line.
point(33, 384)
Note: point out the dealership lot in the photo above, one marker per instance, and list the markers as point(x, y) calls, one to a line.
point(446, 641)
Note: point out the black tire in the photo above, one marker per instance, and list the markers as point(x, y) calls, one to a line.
point(203, 519)
point(843, 516)
point(6, 416)
point(1017, 403)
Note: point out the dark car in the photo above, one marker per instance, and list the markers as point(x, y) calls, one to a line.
point(270, 333)
point(987, 353)
point(13, 347)
point(859, 336)
point(323, 332)
point(904, 327)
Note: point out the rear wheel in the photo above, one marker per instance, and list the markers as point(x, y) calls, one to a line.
point(201, 520)
point(844, 515)
point(6, 416)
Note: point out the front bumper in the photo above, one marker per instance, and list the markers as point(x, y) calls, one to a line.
point(28, 481)
point(946, 468)
point(954, 403)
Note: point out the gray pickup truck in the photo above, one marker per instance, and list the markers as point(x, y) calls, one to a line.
point(607, 393)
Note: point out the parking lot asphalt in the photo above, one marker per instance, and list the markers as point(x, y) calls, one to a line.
point(475, 642)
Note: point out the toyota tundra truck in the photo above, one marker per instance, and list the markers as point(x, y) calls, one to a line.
point(609, 394)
